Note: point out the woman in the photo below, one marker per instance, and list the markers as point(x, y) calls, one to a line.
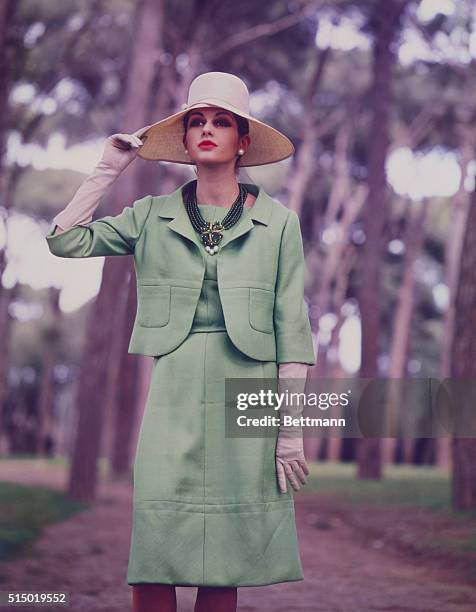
point(214, 302)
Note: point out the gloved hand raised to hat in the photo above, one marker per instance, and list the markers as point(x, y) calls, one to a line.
point(119, 151)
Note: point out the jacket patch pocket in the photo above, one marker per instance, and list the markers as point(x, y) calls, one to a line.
point(261, 305)
point(153, 308)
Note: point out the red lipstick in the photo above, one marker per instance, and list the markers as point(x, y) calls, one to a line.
point(206, 144)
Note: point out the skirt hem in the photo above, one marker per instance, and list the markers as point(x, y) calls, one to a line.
point(187, 584)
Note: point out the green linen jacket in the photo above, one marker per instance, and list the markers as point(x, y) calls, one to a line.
point(260, 274)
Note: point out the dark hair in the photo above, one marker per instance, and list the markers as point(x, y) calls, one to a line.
point(243, 128)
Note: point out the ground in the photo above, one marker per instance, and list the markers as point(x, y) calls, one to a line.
point(353, 561)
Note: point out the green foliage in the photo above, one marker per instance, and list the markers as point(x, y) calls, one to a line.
point(28, 338)
point(410, 507)
point(24, 511)
point(414, 487)
point(83, 46)
point(56, 12)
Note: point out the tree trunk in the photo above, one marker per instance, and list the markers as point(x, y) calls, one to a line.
point(453, 248)
point(386, 25)
point(45, 429)
point(10, 177)
point(7, 178)
point(401, 335)
point(125, 412)
point(7, 10)
point(111, 391)
point(463, 365)
point(305, 158)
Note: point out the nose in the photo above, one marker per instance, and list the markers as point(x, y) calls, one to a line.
point(206, 128)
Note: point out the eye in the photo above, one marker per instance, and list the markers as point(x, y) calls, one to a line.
point(220, 120)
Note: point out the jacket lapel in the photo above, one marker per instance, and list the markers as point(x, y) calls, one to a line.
point(174, 208)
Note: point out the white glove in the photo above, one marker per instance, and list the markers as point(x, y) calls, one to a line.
point(119, 151)
point(290, 460)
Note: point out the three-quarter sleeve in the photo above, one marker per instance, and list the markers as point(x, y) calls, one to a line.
point(110, 235)
point(291, 319)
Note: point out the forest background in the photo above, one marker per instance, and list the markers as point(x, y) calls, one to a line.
point(378, 98)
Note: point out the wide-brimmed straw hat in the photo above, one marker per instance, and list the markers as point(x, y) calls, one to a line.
point(163, 140)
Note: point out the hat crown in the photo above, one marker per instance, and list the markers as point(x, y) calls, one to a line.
point(222, 87)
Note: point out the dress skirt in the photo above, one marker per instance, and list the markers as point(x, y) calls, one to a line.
point(207, 510)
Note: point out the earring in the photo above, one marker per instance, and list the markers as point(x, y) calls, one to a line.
point(186, 151)
point(241, 151)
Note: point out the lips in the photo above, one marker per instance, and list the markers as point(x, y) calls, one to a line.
point(207, 143)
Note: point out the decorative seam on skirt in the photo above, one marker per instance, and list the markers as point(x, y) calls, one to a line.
point(289, 508)
point(232, 504)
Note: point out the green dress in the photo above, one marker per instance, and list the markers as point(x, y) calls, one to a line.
point(207, 510)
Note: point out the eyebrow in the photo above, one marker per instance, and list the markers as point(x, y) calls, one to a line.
point(227, 113)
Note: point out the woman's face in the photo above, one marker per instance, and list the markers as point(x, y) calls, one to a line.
point(218, 126)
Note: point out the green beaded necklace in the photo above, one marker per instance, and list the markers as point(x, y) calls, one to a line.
point(211, 233)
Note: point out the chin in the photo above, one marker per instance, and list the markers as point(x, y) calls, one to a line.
point(215, 155)
point(212, 161)
point(206, 153)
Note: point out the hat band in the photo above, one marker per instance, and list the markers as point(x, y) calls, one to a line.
point(217, 102)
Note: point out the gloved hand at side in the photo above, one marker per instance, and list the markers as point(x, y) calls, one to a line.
point(119, 151)
point(290, 460)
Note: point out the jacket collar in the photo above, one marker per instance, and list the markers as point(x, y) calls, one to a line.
point(173, 207)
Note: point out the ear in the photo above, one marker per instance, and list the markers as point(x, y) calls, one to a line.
point(245, 141)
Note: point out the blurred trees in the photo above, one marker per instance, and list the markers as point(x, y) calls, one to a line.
point(385, 22)
point(94, 67)
point(6, 20)
point(463, 369)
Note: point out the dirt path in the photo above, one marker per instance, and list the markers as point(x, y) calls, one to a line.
point(344, 569)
